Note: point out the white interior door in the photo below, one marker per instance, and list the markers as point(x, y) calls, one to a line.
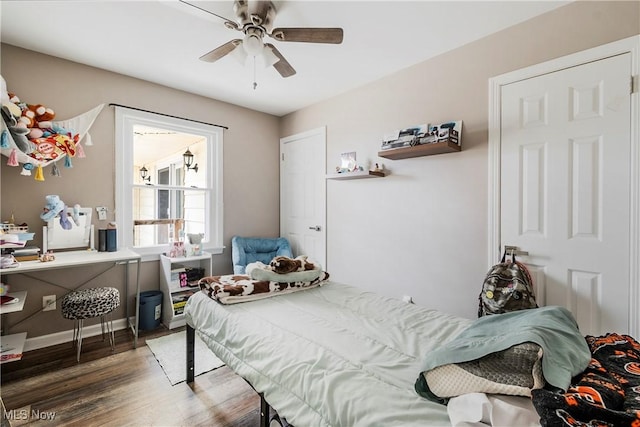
point(565, 187)
point(303, 193)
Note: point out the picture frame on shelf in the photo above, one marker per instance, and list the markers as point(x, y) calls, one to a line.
point(404, 137)
point(348, 161)
point(444, 132)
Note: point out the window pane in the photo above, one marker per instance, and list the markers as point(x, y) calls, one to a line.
point(163, 176)
point(177, 213)
point(163, 204)
point(195, 212)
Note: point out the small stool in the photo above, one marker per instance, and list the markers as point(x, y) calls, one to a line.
point(87, 304)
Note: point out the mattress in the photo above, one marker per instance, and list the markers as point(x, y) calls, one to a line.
point(334, 355)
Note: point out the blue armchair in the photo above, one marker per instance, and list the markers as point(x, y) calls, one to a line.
point(245, 250)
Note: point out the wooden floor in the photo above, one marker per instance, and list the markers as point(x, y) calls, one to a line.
point(124, 388)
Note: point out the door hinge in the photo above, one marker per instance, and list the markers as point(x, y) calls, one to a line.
point(282, 157)
point(634, 84)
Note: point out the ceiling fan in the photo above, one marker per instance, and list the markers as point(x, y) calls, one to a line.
point(255, 19)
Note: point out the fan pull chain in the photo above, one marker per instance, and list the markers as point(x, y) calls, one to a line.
point(255, 84)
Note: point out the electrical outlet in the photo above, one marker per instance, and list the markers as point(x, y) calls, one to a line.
point(48, 302)
point(102, 213)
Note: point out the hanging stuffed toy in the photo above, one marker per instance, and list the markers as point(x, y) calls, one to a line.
point(18, 133)
point(54, 147)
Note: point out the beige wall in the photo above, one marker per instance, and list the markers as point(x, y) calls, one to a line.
point(251, 193)
point(424, 227)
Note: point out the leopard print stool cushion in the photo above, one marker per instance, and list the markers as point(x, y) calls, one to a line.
point(88, 303)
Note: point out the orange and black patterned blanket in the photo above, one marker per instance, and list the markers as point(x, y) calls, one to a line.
point(607, 393)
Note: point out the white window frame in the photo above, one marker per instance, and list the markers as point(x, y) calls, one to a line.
point(126, 119)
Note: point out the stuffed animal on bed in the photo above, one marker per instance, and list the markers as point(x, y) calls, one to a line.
point(283, 264)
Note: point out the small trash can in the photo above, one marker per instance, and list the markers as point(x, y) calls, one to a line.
point(150, 310)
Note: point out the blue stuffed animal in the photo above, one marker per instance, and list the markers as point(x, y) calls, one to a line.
point(55, 207)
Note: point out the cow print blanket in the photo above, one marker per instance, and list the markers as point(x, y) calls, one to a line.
point(233, 288)
point(607, 393)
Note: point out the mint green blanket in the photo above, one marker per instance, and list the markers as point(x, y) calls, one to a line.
point(565, 350)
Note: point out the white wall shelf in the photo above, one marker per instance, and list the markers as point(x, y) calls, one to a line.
point(420, 150)
point(357, 175)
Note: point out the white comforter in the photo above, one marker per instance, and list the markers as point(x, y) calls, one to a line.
point(330, 356)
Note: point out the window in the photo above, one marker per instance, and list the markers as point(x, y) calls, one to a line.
point(160, 196)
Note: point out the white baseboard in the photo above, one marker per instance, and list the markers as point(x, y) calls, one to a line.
point(67, 336)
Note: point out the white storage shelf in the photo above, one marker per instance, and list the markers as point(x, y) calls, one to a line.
point(16, 306)
point(173, 293)
point(12, 346)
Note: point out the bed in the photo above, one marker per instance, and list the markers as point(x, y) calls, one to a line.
point(335, 355)
point(357, 352)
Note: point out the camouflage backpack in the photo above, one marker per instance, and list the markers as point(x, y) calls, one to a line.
point(507, 287)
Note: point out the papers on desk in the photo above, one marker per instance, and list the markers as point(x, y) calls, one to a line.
point(6, 299)
point(11, 241)
point(12, 346)
point(8, 261)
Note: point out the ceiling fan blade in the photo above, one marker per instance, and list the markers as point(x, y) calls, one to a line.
point(241, 9)
point(221, 51)
point(260, 12)
point(308, 35)
point(282, 66)
point(227, 22)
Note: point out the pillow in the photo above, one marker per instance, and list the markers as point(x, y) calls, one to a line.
point(553, 328)
point(259, 271)
point(514, 371)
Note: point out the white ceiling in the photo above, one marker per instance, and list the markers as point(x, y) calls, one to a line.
point(161, 41)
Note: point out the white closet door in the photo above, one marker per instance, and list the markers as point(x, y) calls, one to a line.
point(565, 193)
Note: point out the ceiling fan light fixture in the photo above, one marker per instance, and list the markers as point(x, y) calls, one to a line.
point(269, 57)
point(253, 44)
point(240, 55)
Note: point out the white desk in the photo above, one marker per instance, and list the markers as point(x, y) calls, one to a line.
point(84, 258)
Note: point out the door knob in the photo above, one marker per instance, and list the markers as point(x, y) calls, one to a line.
point(315, 227)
